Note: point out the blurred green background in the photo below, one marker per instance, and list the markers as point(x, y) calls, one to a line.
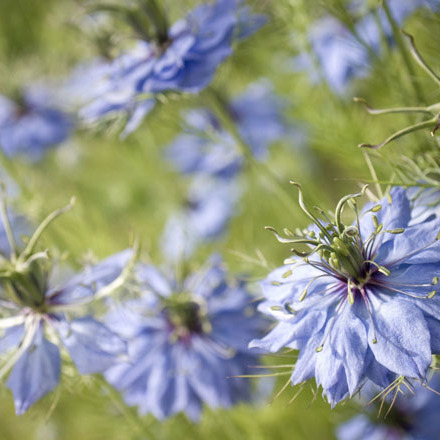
point(126, 188)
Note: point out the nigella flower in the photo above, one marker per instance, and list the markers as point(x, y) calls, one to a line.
point(32, 124)
point(344, 55)
point(182, 58)
point(207, 148)
point(209, 206)
point(39, 317)
point(413, 416)
point(186, 341)
point(361, 304)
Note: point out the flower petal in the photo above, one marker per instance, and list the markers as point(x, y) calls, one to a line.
point(403, 340)
point(91, 345)
point(88, 282)
point(36, 373)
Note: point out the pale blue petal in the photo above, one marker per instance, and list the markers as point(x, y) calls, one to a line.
point(35, 374)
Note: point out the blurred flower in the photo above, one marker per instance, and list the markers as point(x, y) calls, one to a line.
point(425, 203)
point(88, 81)
point(412, 417)
point(344, 54)
point(186, 342)
point(32, 124)
point(36, 318)
point(208, 209)
point(361, 304)
point(185, 61)
point(206, 148)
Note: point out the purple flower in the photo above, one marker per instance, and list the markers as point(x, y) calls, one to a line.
point(32, 125)
point(412, 417)
point(206, 148)
point(186, 61)
point(210, 205)
point(361, 304)
point(186, 342)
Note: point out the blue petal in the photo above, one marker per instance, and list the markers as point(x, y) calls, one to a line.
point(35, 374)
point(403, 340)
point(281, 336)
point(346, 348)
point(88, 282)
point(92, 346)
point(417, 245)
point(153, 279)
point(396, 214)
point(11, 338)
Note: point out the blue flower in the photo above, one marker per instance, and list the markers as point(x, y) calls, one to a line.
point(32, 125)
point(38, 316)
point(412, 417)
point(344, 55)
point(35, 330)
point(207, 211)
point(186, 61)
point(362, 303)
point(206, 148)
point(186, 341)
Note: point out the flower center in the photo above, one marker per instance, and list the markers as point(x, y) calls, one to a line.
point(186, 316)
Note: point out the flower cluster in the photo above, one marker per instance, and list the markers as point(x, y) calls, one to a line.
point(361, 304)
point(186, 341)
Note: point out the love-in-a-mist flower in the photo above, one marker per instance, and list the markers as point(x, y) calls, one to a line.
point(208, 208)
point(39, 318)
point(343, 53)
point(206, 147)
point(413, 415)
point(32, 124)
point(186, 341)
point(183, 57)
point(361, 303)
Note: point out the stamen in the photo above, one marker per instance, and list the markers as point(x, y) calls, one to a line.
point(381, 269)
point(430, 295)
point(350, 295)
point(395, 231)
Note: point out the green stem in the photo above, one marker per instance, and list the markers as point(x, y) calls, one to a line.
point(420, 61)
point(403, 132)
point(403, 50)
point(224, 115)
